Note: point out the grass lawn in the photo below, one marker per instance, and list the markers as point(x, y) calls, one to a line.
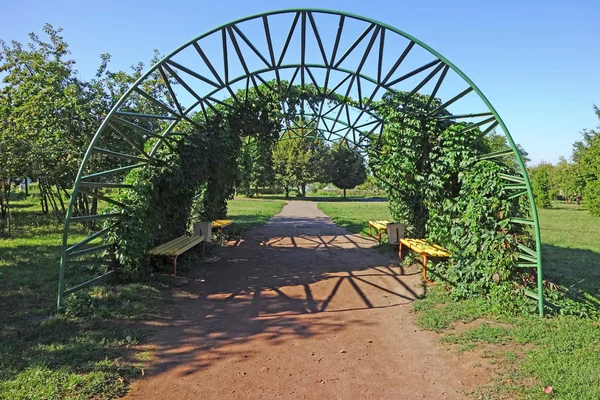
point(354, 215)
point(530, 353)
point(88, 350)
point(252, 212)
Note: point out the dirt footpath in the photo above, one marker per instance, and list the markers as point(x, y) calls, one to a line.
point(300, 309)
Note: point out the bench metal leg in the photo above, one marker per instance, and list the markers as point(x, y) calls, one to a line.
point(424, 261)
point(175, 266)
point(400, 251)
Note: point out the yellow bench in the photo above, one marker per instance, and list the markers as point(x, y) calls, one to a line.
point(176, 247)
point(380, 226)
point(222, 223)
point(425, 249)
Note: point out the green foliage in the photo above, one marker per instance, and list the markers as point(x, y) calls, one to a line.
point(592, 197)
point(300, 158)
point(347, 167)
point(80, 354)
point(441, 192)
point(541, 185)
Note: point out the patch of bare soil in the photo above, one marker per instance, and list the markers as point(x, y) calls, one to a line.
point(301, 309)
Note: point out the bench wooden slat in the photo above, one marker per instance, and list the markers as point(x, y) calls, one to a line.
point(422, 247)
point(222, 223)
point(176, 246)
point(379, 225)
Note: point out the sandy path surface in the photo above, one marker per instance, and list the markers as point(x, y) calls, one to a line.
point(300, 309)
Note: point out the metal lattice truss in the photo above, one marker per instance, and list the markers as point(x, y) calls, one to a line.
point(350, 62)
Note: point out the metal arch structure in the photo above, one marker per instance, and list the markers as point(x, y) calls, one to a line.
point(335, 52)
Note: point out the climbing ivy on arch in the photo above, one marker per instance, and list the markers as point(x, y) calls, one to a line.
point(354, 79)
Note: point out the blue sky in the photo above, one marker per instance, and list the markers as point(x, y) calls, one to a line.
point(536, 61)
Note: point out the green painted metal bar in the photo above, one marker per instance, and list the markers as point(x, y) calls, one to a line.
point(527, 257)
point(137, 128)
point(484, 133)
point(96, 217)
point(138, 115)
point(451, 101)
point(338, 36)
point(414, 72)
point(113, 171)
point(249, 43)
point(477, 125)
point(104, 198)
point(522, 221)
point(398, 62)
point(289, 38)
point(380, 55)
point(459, 116)
point(237, 49)
point(527, 265)
point(517, 194)
point(495, 154)
point(515, 186)
point(128, 139)
point(354, 45)
point(208, 63)
point(426, 80)
point(91, 282)
point(527, 250)
point(317, 36)
point(105, 185)
point(85, 241)
point(157, 103)
point(94, 249)
point(512, 178)
point(192, 73)
point(122, 155)
point(437, 86)
point(161, 69)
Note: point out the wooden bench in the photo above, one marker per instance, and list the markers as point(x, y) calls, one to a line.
point(380, 226)
point(223, 223)
point(425, 249)
point(176, 247)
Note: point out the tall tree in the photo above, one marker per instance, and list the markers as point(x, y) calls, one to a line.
point(347, 167)
point(301, 157)
point(586, 154)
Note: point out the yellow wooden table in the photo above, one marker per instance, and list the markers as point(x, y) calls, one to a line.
point(222, 223)
point(176, 247)
point(380, 226)
point(425, 249)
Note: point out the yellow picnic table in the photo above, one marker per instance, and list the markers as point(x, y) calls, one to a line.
point(425, 249)
point(176, 247)
point(222, 223)
point(380, 226)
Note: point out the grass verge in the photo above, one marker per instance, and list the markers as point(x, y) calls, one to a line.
point(354, 216)
point(88, 350)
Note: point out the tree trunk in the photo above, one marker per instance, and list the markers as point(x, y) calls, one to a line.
point(26, 187)
point(287, 191)
point(303, 186)
point(344, 193)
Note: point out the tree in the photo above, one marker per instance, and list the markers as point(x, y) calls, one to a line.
point(347, 167)
point(301, 157)
point(586, 154)
point(541, 185)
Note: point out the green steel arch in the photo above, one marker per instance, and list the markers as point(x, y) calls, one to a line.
point(337, 53)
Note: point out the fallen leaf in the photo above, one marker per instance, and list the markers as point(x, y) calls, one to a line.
point(548, 389)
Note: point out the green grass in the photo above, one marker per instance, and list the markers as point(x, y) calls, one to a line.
point(88, 350)
point(354, 215)
point(529, 353)
point(81, 353)
point(248, 213)
point(561, 351)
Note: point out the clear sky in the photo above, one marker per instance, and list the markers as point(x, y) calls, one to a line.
point(537, 61)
